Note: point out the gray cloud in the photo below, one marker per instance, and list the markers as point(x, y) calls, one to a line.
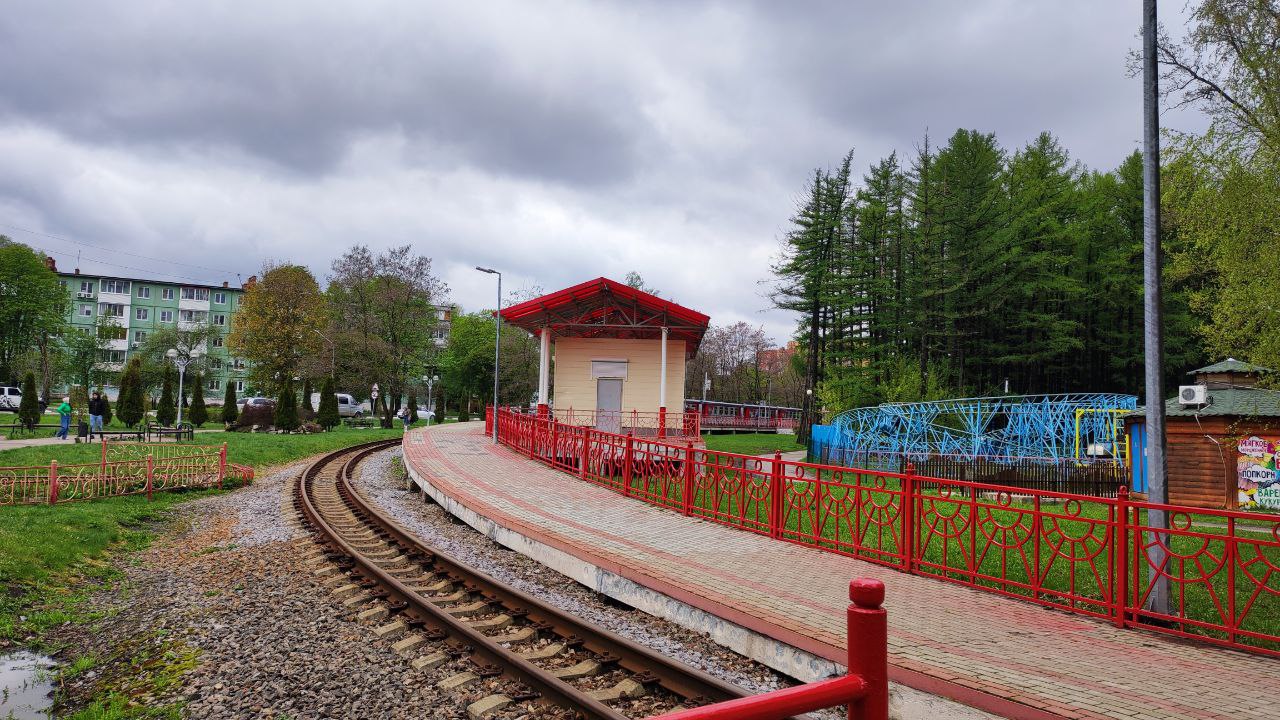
point(557, 140)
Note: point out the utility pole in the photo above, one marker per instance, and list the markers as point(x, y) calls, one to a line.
point(1153, 311)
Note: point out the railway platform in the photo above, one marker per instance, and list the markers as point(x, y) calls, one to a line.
point(784, 604)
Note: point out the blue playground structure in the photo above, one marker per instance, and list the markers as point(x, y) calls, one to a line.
point(1013, 428)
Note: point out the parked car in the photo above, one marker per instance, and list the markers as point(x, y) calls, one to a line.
point(256, 402)
point(425, 414)
point(347, 405)
point(10, 398)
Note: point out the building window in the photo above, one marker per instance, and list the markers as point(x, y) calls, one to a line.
point(86, 310)
point(116, 286)
point(217, 342)
point(86, 287)
point(111, 356)
point(237, 363)
point(111, 310)
point(192, 316)
point(144, 292)
point(141, 313)
point(239, 386)
point(62, 284)
point(166, 293)
point(215, 384)
point(220, 298)
point(215, 363)
point(139, 335)
point(166, 316)
point(190, 293)
point(219, 319)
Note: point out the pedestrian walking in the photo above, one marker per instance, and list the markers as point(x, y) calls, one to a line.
point(404, 416)
point(96, 411)
point(65, 411)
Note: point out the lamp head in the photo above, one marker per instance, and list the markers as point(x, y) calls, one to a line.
point(487, 270)
point(171, 353)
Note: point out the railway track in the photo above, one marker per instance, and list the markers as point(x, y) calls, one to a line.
point(443, 615)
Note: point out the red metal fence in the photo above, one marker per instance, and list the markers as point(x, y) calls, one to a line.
point(123, 469)
point(1095, 556)
point(674, 425)
point(864, 688)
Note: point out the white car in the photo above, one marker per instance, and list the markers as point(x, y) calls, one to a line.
point(10, 398)
point(347, 405)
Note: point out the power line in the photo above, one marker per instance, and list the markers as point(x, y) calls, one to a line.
point(113, 250)
point(47, 251)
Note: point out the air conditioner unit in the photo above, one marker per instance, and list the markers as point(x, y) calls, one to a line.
point(84, 295)
point(1193, 394)
point(134, 346)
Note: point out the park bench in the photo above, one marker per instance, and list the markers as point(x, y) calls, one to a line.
point(159, 432)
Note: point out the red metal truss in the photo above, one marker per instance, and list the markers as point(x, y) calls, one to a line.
point(610, 309)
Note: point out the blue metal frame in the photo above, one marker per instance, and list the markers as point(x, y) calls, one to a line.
point(1013, 426)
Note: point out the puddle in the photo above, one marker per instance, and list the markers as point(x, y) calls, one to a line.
point(26, 681)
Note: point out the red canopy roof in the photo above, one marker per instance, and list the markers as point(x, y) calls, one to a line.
point(609, 309)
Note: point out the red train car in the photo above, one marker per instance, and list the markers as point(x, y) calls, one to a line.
point(742, 417)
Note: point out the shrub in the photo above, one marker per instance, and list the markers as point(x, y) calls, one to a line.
point(166, 410)
point(79, 403)
point(29, 408)
point(260, 415)
point(464, 410)
point(199, 413)
point(229, 410)
point(286, 414)
point(311, 427)
point(307, 409)
point(327, 417)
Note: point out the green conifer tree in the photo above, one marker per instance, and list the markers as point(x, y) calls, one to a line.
point(199, 413)
point(229, 410)
point(29, 408)
point(166, 409)
point(327, 415)
point(131, 399)
point(287, 408)
point(413, 408)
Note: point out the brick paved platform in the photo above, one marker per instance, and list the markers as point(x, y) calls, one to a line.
point(1007, 657)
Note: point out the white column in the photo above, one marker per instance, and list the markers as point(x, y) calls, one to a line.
point(662, 379)
point(544, 365)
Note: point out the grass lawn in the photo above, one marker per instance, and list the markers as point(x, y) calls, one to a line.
point(259, 450)
point(51, 557)
point(752, 443)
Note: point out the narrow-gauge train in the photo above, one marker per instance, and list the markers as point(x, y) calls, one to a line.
point(716, 416)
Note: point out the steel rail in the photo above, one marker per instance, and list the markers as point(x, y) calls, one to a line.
point(678, 678)
point(648, 667)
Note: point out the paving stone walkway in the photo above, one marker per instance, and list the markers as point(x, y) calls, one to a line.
point(1001, 655)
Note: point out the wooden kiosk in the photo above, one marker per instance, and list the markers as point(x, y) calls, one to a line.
point(612, 357)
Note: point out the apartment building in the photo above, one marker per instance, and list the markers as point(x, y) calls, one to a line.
point(141, 306)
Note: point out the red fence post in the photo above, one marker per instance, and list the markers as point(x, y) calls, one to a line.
point(775, 497)
point(627, 455)
point(535, 429)
point(53, 482)
point(686, 494)
point(908, 514)
point(584, 461)
point(868, 647)
point(1120, 585)
point(555, 439)
point(222, 464)
point(488, 419)
point(151, 469)
point(662, 421)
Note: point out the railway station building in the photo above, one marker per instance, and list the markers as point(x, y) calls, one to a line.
point(611, 356)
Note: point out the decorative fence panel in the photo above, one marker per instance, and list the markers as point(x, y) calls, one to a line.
point(1211, 575)
point(124, 469)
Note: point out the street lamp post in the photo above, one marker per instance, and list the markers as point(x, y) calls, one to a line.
point(181, 360)
point(497, 337)
point(430, 380)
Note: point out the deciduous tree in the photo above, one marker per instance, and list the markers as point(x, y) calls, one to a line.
point(277, 326)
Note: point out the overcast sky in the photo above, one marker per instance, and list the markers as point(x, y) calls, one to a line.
point(556, 141)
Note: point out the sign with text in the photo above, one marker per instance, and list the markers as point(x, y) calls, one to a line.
point(1257, 480)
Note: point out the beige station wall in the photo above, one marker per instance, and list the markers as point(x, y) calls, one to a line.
point(573, 387)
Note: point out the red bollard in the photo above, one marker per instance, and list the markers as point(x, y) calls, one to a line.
point(868, 643)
